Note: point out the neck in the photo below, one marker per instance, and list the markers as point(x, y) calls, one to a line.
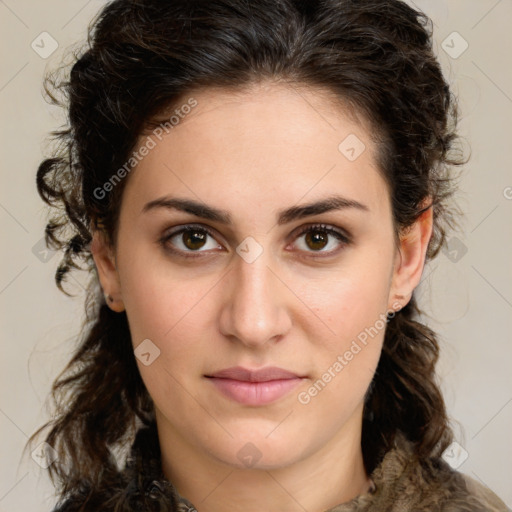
point(329, 476)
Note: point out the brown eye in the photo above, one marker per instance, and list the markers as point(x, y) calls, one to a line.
point(319, 237)
point(193, 239)
point(316, 239)
point(189, 239)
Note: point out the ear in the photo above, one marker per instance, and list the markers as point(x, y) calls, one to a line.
point(104, 259)
point(410, 258)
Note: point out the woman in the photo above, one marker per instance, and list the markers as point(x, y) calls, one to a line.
point(254, 188)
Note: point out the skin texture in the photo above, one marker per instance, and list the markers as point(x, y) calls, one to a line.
point(253, 154)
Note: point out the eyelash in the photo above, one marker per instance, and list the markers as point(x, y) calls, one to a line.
point(338, 234)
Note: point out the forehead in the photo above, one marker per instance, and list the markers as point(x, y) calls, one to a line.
point(263, 144)
point(292, 112)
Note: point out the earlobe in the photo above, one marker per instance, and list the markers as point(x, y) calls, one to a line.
point(104, 259)
point(410, 258)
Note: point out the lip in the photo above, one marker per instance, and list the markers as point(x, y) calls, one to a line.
point(261, 375)
point(255, 387)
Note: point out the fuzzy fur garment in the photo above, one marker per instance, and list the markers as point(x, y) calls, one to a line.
point(399, 485)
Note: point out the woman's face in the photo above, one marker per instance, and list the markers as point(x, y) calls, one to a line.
point(269, 280)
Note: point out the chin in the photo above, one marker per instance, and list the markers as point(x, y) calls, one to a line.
point(257, 452)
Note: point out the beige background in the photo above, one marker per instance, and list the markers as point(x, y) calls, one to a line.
point(468, 293)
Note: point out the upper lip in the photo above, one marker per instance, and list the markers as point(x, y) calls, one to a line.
point(261, 375)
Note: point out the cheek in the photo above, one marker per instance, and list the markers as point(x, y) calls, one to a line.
point(178, 316)
point(353, 304)
point(175, 316)
point(353, 299)
point(159, 303)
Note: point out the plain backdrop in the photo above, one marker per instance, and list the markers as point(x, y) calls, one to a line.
point(466, 291)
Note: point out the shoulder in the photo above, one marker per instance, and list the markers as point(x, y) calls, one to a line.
point(452, 491)
point(404, 483)
point(483, 495)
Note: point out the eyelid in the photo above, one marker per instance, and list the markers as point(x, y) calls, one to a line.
point(341, 234)
point(172, 232)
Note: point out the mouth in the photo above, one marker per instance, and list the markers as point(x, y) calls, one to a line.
point(255, 387)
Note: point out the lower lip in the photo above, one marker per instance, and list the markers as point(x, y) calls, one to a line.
point(255, 393)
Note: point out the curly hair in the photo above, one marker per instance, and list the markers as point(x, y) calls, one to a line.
point(142, 57)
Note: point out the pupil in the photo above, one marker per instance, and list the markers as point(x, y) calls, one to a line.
point(317, 237)
point(194, 239)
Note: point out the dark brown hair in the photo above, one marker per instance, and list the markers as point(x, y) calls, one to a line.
point(142, 58)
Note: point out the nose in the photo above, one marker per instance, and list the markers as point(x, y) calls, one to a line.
point(253, 308)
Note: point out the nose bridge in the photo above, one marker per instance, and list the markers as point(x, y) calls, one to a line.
point(253, 310)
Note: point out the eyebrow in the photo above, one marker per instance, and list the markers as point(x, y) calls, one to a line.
point(204, 211)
